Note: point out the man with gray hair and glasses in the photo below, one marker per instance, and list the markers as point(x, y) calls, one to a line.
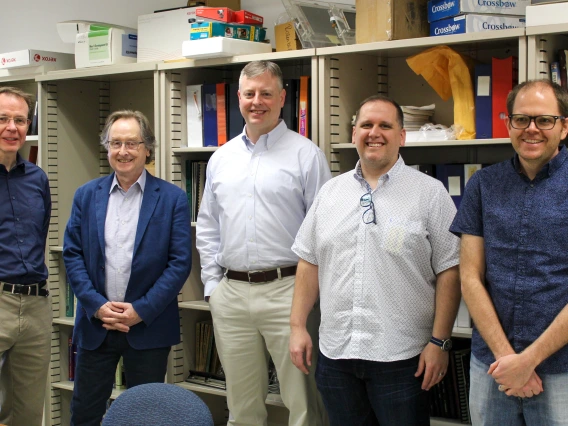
point(514, 241)
point(376, 249)
point(25, 309)
point(127, 253)
point(259, 188)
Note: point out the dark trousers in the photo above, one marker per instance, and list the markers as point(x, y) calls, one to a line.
point(95, 371)
point(368, 393)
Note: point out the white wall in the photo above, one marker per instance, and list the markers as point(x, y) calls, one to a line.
point(30, 24)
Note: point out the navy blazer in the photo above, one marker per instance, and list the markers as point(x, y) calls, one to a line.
point(161, 262)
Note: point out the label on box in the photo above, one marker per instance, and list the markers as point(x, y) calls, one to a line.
point(472, 23)
point(200, 30)
point(246, 17)
point(129, 45)
point(99, 43)
point(441, 9)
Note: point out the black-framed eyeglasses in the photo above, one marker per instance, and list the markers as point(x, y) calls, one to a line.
point(18, 121)
point(129, 145)
point(542, 122)
point(369, 214)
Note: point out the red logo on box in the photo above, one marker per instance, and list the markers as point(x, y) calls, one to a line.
point(37, 58)
point(3, 60)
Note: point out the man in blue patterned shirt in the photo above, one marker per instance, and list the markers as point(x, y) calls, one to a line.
point(514, 230)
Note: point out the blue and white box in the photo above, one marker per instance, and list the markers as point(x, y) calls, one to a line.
point(441, 9)
point(472, 23)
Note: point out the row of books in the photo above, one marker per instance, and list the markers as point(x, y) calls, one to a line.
point(195, 184)
point(493, 82)
point(453, 176)
point(559, 70)
point(206, 357)
point(450, 398)
point(214, 117)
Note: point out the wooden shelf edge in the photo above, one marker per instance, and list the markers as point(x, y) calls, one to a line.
point(68, 386)
point(64, 321)
point(453, 143)
point(198, 305)
point(271, 399)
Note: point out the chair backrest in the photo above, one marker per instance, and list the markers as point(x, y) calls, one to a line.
point(155, 404)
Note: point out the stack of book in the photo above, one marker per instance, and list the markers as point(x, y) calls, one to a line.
point(208, 370)
point(195, 185)
point(416, 117)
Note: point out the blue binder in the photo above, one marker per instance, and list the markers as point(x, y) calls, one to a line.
point(483, 117)
point(209, 111)
point(451, 175)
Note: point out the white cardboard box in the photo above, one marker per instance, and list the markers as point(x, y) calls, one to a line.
point(547, 14)
point(160, 35)
point(108, 46)
point(216, 47)
point(473, 23)
point(32, 58)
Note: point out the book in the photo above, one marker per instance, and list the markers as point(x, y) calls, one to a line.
point(236, 122)
point(468, 171)
point(32, 156)
point(483, 120)
point(32, 129)
point(504, 76)
point(69, 301)
point(562, 68)
point(289, 111)
point(221, 92)
point(303, 102)
point(209, 110)
point(72, 357)
point(194, 116)
point(555, 73)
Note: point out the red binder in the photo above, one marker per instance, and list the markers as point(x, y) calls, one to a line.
point(504, 77)
point(221, 92)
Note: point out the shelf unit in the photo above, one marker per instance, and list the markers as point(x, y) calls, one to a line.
point(73, 106)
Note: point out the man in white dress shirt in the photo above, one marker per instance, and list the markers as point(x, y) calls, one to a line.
point(259, 188)
point(375, 247)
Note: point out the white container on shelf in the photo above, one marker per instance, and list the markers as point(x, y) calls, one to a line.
point(217, 47)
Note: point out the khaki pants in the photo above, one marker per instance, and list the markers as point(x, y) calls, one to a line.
point(248, 320)
point(25, 346)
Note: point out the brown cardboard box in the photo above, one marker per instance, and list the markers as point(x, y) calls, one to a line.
point(231, 4)
point(380, 20)
point(286, 38)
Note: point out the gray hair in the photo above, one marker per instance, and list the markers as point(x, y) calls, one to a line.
point(255, 68)
point(15, 92)
point(146, 133)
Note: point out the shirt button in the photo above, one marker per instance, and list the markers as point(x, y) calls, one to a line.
point(254, 261)
point(119, 271)
point(17, 219)
point(123, 222)
point(13, 198)
point(251, 240)
point(120, 245)
point(250, 195)
point(21, 241)
point(532, 185)
point(250, 217)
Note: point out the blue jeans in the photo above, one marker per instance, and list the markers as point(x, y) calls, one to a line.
point(489, 406)
point(95, 371)
point(367, 393)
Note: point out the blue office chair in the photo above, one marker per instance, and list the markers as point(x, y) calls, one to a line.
point(156, 404)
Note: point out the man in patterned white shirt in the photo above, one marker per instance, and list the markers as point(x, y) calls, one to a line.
point(376, 249)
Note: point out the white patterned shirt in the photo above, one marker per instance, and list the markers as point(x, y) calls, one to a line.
point(255, 199)
point(121, 223)
point(377, 282)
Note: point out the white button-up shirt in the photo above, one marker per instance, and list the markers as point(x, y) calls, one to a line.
point(377, 281)
point(255, 199)
point(121, 222)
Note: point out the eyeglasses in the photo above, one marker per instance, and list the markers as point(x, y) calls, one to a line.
point(129, 145)
point(18, 121)
point(369, 214)
point(542, 122)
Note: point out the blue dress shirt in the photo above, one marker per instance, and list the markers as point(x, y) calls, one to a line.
point(524, 224)
point(25, 209)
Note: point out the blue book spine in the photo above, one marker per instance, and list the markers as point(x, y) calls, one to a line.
point(209, 111)
point(483, 108)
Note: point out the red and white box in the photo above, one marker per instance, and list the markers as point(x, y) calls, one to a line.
point(246, 17)
point(32, 58)
point(221, 14)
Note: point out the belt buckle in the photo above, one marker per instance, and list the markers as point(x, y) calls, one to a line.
point(17, 286)
point(249, 273)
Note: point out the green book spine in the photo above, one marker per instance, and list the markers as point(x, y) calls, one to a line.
point(69, 301)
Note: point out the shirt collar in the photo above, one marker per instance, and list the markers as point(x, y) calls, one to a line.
point(394, 170)
point(141, 182)
point(267, 141)
point(550, 167)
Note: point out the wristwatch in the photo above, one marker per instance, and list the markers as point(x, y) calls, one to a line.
point(445, 345)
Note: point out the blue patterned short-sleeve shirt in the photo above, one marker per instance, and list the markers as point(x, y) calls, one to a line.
point(524, 225)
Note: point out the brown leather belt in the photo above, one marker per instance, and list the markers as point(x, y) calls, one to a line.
point(261, 276)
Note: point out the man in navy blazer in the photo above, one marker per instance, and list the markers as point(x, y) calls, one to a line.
point(127, 252)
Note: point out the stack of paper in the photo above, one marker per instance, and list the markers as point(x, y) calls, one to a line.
point(416, 117)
